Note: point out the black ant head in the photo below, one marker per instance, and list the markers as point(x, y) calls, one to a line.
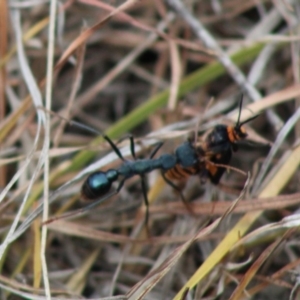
point(238, 131)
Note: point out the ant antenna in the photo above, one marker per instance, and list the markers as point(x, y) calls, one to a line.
point(83, 126)
point(238, 123)
point(248, 120)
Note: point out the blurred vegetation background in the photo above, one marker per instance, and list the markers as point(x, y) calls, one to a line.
point(162, 71)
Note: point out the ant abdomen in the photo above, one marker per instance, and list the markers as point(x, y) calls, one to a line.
point(98, 184)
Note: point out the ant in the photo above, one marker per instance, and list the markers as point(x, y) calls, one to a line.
point(208, 159)
point(98, 184)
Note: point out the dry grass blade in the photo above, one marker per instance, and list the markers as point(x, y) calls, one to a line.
point(273, 188)
point(176, 75)
point(212, 44)
point(274, 277)
point(220, 207)
point(3, 49)
point(143, 287)
point(288, 126)
point(86, 34)
point(241, 288)
point(74, 90)
point(123, 64)
point(46, 146)
point(87, 232)
point(77, 282)
point(37, 252)
point(36, 95)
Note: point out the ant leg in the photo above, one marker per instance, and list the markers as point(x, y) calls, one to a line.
point(144, 190)
point(157, 147)
point(132, 146)
point(178, 190)
point(132, 149)
point(111, 143)
point(114, 147)
point(154, 151)
point(174, 186)
point(203, 175)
